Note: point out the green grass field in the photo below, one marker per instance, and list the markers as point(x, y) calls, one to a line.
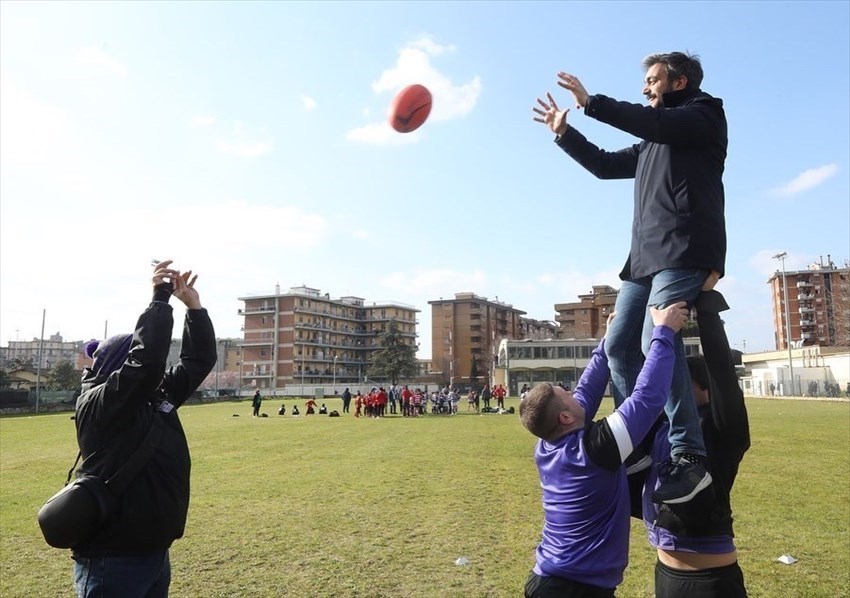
point(318, 506)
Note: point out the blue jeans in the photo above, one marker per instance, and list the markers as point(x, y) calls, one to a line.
point(145, 576)
point(628, 341)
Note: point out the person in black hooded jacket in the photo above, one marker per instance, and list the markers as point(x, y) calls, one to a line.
point(678, 245)
point(125, 390)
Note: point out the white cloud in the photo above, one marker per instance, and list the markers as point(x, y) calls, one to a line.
point(98, 60)
point(245, 144)
point(381, 133)
point(806, 180)
point(202, 121)
point(429, 46)
point(437, 282)
point(31, 128)
point(765, 264)
point(308, 103)
point(201, 237)
point(245, 149)
point(413, 65)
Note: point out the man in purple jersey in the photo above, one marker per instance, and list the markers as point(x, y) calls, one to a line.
point(584, 547)
point(697, 557)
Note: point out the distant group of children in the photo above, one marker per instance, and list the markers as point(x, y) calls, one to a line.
point(401, 400)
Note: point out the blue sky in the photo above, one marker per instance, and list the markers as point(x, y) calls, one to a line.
point(248, 142)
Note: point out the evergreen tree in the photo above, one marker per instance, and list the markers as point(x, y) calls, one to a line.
point(63, 376)
point(395, 359)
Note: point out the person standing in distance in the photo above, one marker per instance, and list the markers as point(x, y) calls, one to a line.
point(256, 403)
point(678, 245)
point(125, 392)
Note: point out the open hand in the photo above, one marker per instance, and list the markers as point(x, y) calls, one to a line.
point(184, 289)
point(550, 115)
point(162, 274)
point(574, 86)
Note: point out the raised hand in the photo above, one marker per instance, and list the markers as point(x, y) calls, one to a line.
point(162, 274)
point(574, 86)
point(673, 316)
point(184, 289)
point(550, 115)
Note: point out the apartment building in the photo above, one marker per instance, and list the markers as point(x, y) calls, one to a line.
point(537, 329)
point(50, 351)
point(306, 337)
point(588, 317)
point(818, 305)
point(465, 335)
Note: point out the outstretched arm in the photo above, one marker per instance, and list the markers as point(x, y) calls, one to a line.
point(198, 349)
point(602, 164)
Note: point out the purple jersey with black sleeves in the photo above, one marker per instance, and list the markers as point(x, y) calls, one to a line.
point(585, 492)
point(704, 524)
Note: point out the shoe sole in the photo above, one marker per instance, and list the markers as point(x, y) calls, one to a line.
point(704, 483)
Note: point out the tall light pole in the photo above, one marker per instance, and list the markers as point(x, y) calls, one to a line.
point(217, 363)
point(302, 370)
point(781, 257)
point(334, 384)
point(241, 352)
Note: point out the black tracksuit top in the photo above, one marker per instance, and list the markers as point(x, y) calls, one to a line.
point(113, 416)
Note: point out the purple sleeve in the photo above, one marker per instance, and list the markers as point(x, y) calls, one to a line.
point(639, 412)
point(593, 381)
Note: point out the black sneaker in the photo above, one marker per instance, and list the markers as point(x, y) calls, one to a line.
point(686, 480)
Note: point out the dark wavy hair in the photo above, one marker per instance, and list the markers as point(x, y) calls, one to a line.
point(678, 64)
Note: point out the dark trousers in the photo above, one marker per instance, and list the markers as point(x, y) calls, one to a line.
point(720, 582)
point(558, 587)
point(145, 576)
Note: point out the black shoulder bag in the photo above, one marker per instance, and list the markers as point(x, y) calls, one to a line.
point(82, 508)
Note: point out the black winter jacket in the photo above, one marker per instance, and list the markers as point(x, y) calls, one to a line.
point(679, 201)
point(113, 416)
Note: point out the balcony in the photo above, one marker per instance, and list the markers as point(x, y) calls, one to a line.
point(808, 335)
point(807, 322)
point(805, 297)
point(258, 342)
point(269, 309)
point(807, 310)
point(803, 284)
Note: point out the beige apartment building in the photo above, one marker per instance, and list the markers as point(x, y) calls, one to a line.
point(818, 303)
point(50, 351)
point(588, 317)
point(465, 336)
point(304, 338)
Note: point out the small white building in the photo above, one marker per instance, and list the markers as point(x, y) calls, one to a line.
point(769, 373)
point(531, 361)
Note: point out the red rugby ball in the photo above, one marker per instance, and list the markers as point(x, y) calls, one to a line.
point(410, 108)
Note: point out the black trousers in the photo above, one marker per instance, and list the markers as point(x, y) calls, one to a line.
point(559, 587)
point(720, 582)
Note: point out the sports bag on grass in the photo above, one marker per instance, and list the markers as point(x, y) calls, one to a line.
point(84, 506)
